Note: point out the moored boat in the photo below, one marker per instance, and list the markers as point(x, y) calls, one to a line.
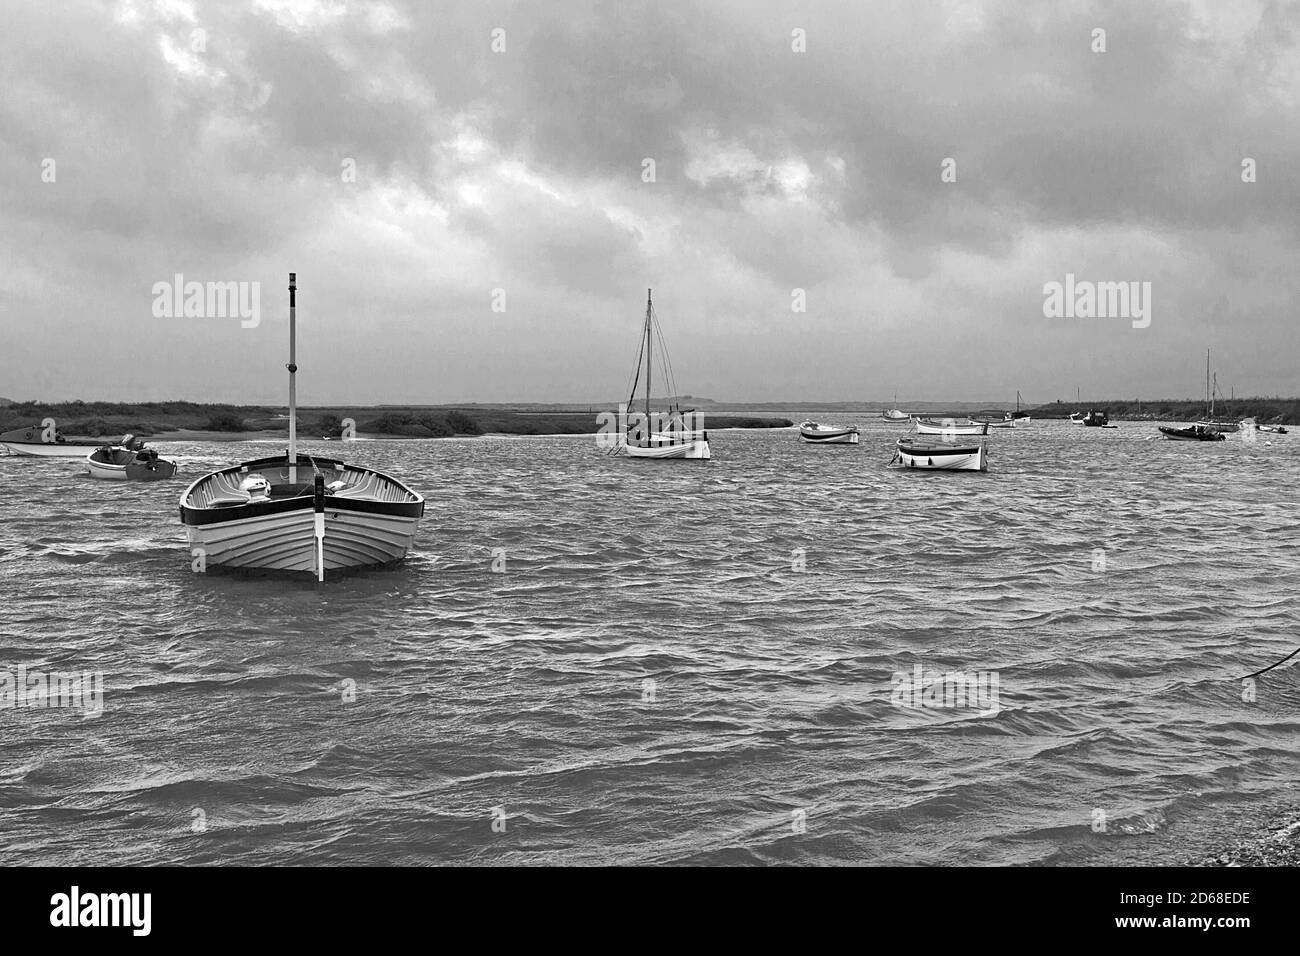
point(1095, 419)
point(817, 434)
point(1210, 420)
point(128, 460)
point(1275, 429)
point(299, 513)
point(894, 416)
point(1191, 433)
point(950, 426)
point(655, 435)
point(46, 441)
point(941, 456)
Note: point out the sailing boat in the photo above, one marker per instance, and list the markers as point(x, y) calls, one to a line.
point(284, 514)
point(1219, 425)
point(654, 435)
point(1018, 415)
point(894, 416)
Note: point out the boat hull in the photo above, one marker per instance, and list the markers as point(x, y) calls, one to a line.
point(841, 438)
point(38, 449)
point(1190, 434)
point(287, 542)
point(125, 466)
point(697, 449)
point(373, 521)
point(815, 434)
point(933, 457)
point(925, 426)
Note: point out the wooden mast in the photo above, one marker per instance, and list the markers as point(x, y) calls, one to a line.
point(293, 371)
point(647, 366)
point(1207, 382)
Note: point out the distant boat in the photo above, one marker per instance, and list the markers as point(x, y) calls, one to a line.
point(128, 460)
point(941, 456)
point(657, 436)
point(818, 434)
point(1276, 429)
point(1018, 415)
point(310, 515)
point(1095, 419)
point(993, 418)
point(1191, 433)
point(46, 441)
point(950, 426)
point(1210, 421)
point(894, 416)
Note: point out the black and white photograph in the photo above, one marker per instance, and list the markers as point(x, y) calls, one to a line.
point(651, 434)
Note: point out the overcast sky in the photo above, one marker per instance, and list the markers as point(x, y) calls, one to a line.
point(215, 140)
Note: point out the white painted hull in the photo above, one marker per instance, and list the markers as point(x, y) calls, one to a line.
point(97, 469)
point(933, 459)
point(49, 449)
point(365, 517)
point(287, 542)
point(818, 434)
point(697, 449)
point(924, 427)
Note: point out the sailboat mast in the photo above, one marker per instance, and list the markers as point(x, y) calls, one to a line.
point(293, 372)
point(1207, 381)
point(647, 361)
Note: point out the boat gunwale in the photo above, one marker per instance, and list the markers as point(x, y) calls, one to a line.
point(196, 516)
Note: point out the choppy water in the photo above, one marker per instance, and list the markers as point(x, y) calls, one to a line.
point(225, 736)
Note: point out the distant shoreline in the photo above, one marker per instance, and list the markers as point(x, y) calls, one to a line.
point(188, 421)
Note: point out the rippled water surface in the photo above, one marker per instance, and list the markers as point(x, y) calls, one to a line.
point(649, 679)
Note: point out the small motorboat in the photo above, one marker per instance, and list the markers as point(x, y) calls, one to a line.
point(1095, 419)
point(128, 461)
point(817, 434)
point(1275, 429)
point(1076, 418)
point(1195, 432)
point(941, 456)
point(950, 426)
point(46, 441)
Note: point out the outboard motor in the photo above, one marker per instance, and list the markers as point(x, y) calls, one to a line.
point(256, 487)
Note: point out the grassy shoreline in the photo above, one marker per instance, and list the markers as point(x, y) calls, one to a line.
point(189, 421)
point(1266, 411)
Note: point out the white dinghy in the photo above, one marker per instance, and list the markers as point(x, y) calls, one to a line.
point(46, 441)
point(950, 426)
point(655, 434)
point(817, 434)
point(310, 515)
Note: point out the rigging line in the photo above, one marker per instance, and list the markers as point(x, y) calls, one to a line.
point(665, 361)
point(1271, 666)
